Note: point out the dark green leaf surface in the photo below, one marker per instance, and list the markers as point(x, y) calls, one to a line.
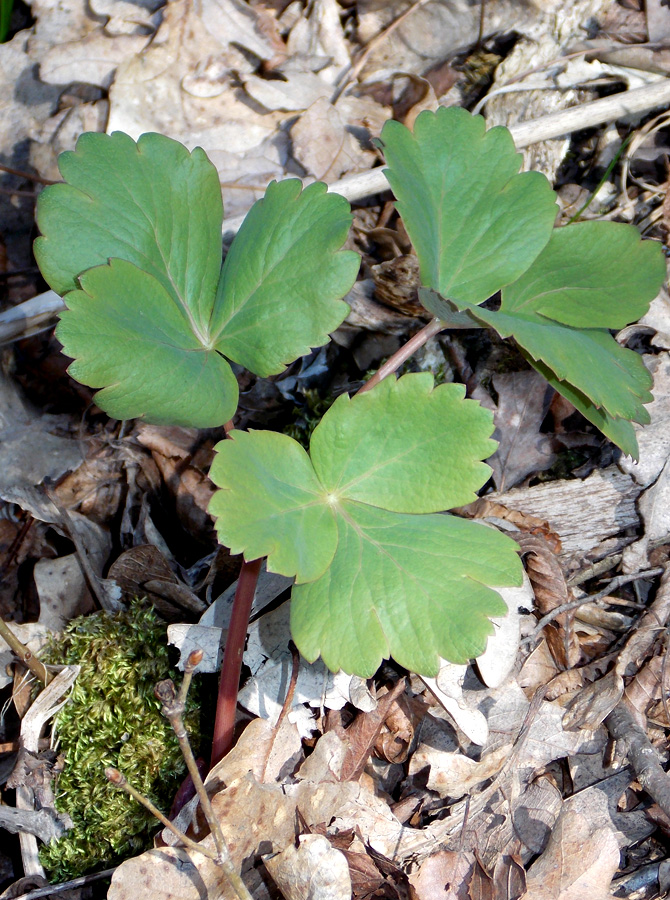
point(153, 332)
point(388, 582)
point(152, 203)
point(282, 281)
point(590, 275)
point(475, 223)
point(590, 359)
point(121, 346)
point(619, 431)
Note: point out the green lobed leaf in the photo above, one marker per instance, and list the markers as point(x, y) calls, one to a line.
point(415, 586)
point(475, 223)
point(122, 346)
point(152, 203)
point(405, 446)
point(410, 587)
point(158, 208)
point(272, 504)
point(282, 282)
point(590, 275)
point(612, 377)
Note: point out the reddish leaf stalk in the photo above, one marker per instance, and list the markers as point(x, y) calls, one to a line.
point(394, 362)
point(232, 660)
point(244, 595)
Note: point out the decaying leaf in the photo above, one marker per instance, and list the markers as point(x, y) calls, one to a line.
point(313, 869)
point(580, 861)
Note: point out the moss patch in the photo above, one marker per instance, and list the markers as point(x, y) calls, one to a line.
point(112, 719)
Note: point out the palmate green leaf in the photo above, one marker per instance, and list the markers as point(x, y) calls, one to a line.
point(475, 223)
point(619, 431)
point(404, 446)
point(344, 521)
point(158, 208)
point(272, 504)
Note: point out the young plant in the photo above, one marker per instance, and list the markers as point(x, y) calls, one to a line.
point(132, 241)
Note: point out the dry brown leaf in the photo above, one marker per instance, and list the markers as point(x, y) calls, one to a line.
point(397, 733)
point(445, 875)
point(314, 870)
point(594, 702)
point(485, 508)
point(183, 461)
point(261, 749)
point(579, 862)
point(509, 879)
point(551, 590)
point(144, 570)
point(63, 591)
point(523, 402)
point(534, 813)
point(360, 737)
point(255, 818)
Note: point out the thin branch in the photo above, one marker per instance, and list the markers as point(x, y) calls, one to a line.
point(640, 753)
point(118, 780)
point(613, 585)
point(26, 656)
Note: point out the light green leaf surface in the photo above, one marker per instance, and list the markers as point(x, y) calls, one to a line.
point(158, 207)
point(414, 586)
point(590, 275)
point(282, 281)
point(122, 346)
point(410, 587)
point(272, 504)
point(406, 446)
point(475, 223)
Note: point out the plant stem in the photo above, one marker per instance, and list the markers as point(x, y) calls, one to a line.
point(229, 683)
point(37, 667)
point(226, 704)
point(394, 362)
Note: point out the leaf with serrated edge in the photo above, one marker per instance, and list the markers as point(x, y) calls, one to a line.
point(123, 328)
point(157, 206)
point(406, 446)
point(410, 587)
point(152, 203)
point(272, 504)
point(283, 279)
point(612, 377)
point(475, 223)
point(590, 275)
point(390, 569)
point(619, 431)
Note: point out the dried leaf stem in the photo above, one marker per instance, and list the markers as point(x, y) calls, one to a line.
point(37, 667)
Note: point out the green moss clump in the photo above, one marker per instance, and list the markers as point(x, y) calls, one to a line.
point(112, 719)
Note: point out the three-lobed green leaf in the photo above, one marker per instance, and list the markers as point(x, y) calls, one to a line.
point(475, 222)
point(562, 289)
point(153, 332)
point(374, 576)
